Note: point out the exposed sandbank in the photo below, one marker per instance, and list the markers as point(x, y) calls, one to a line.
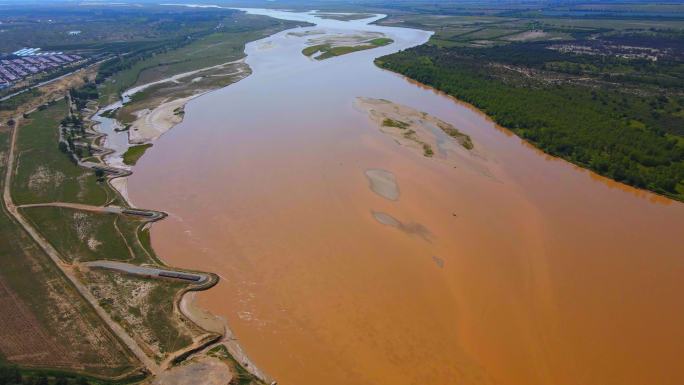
point(151, 124)
point(409, 228)
point(163, 109)
point(383, 183)
point(425, 134)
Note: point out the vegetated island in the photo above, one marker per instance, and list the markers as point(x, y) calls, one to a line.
point(427, 135)
point(608, 99)
point(337, 45)
point(417, 130)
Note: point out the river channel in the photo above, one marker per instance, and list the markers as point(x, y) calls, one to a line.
point(527, 269)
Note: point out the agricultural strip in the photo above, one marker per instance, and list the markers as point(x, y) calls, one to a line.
point(43, 174)
point(46, 323)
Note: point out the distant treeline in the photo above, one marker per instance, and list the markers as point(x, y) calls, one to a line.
point(617, 134)
point(140, 51)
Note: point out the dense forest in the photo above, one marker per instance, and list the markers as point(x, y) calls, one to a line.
point(631, 137)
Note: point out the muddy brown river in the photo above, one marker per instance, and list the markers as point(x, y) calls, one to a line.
point(528, 270)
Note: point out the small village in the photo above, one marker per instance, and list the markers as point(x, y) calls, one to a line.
point(28, 63)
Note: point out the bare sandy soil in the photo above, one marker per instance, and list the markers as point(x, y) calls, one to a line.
point(151, 124)
point(525, 36)
point(163, 108)
point(211, 371)
point(51, 91)
point(200, 316)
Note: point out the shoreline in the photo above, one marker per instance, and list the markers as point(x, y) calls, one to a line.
point(149, 127)
point(652, 196)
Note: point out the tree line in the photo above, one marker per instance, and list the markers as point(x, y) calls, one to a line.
point(601, 129)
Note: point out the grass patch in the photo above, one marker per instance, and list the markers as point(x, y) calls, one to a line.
point(43, 173)
point(131, 156)
point(395, 123)
point(81, 235)
point(327, 50)
point(462, 138)
point(379, 42)
point(76, 337)
point(427, 150)
point(308, 51)
point(15, 102)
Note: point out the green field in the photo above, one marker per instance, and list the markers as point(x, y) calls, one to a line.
point(131, 156)
point(57, 327)
point(82, 235)
point(44, 174)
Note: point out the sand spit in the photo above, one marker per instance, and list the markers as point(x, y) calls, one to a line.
point(383, 183)
point(151, 124)
point(163, 114)
point(409, 228)
point(200, 316)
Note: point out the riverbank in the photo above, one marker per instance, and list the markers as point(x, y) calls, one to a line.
point(566, 115)
point(148, 111)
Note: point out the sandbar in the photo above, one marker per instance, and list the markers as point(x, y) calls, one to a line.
point(383, 183)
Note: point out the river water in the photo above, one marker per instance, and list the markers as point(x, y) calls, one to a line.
point(534, 272)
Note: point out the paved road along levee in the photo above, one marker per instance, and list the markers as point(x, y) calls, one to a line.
point(150, 271)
